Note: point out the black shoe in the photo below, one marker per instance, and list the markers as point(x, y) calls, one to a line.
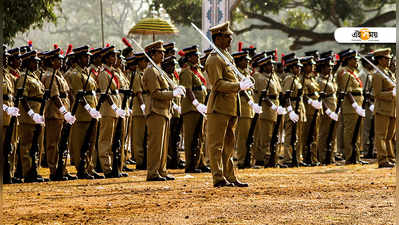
point(55, 178)
point(282, 166)
point(192, 170)
point(85, 176)
point(70, 177)
point(124, 174)
point(16, 180)
point(130, 162)
point(34, 179)
point(223, 183)
point(315, 164)
point(141, 167)
point(127, 169)
point(239, 184)
point(303, 164)
point(97, 176)
point(205, 169)
point(259, 163)
point(156, 179)
point(109, 175)
point(363, 162)
point(169, 177)
point(181, 164)
point(386, 165)
point(240, 166)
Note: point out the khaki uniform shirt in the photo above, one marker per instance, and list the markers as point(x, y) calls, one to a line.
point(246, 109)
point(8, 94)
point(190, 80)
point(224, 96)
point(160, 97)
point(59, 88)
point(310, 90)
point(330, 91)
point(273, 91)
point(295, 82)
point(33, 89)
point(385, 102)
point(138, 88)
point(176, 100)
point(76, 78)
point(103, 81)
point(354, 87)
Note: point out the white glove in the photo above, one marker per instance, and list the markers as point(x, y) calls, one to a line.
point(36, 117)
point(69, 118)
point(293, 116)
point(142, 107)
point(361, 112)
point(315, 104)
point(371, 108)
point(12, 111)
point(257, 108)
point(129, 112)
point(246, 83)
point(394, 92)
point(281, 110)
point(119, 112)
point(93, 112)
point(332, 115)
point(178, 91)
point(201, 108)
point(176, 108)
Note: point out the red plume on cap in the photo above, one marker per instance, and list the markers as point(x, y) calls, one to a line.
point(251, 46)
point(69, 50)
point(282, 61)
point(337, 57)
point(62, 52)
point(107, 45)
point(240, 44)
point(30, 43)
point(91, 48)
point(275, 55)
point(126, 42)
point(55, 46)
point(181, 53)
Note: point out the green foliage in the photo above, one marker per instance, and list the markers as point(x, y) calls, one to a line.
point(22, 15)
point(182, 12)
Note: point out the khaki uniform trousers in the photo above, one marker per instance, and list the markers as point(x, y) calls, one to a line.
point(123, 142)
point(220, 145)
point(324, 129)
point(77, 138)
point(53, 136)
point(264, 136)
point(137, 143)
point(287, 142)
point(340, 134)
point(26, 139)
point(349, 128)
point(366, 130)
point(244, 124)
point(384, 136)
point(306, 132)
point(12, 155)
point(105, 139)
point(196, 155)
point(157, 152)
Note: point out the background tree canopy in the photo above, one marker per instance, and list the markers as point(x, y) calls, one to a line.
point(306, 22)
point(20, 16)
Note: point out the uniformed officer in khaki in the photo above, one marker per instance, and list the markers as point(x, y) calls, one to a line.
point(193, 109)
point(385, 109)
point(9, 111)
point(138, 144)
point(174, 161)
point(130, 71)
point(352, 104)
point(328, 87)
point(242, 59)
point(29, 110)
point(267, 89)
point(311, 94)
point(77, 77)
point(108, 83)
point(57, 110)
point(293, 83)
point(223, 109)
point(158, 113)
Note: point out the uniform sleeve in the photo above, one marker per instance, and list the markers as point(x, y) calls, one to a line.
point(137, 84)
point(287, 83)
point(54, 89)
point(377, 89)
point(151, 82)
point(102, 81)
point(214, 68)
point(186, 79)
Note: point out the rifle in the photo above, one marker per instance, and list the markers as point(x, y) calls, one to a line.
point(116, 143)
point(330, 137)
point(66, 129)
point(312, 126)
point(250, 139)
point(89, 132)
point(275, 136)
point(356, 131)
point(38, 129)
point(7, 145)
point(367, 99)
point(294, 126)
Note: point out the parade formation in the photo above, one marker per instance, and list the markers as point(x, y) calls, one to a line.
point(105, 108)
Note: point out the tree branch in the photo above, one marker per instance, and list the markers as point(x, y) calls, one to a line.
point(380, 19)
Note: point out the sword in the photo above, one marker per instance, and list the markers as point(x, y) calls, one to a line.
point(378, 70)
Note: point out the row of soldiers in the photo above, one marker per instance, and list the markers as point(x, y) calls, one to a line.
point(100, 103)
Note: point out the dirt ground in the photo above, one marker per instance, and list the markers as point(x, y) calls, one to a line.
point(318, 195)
